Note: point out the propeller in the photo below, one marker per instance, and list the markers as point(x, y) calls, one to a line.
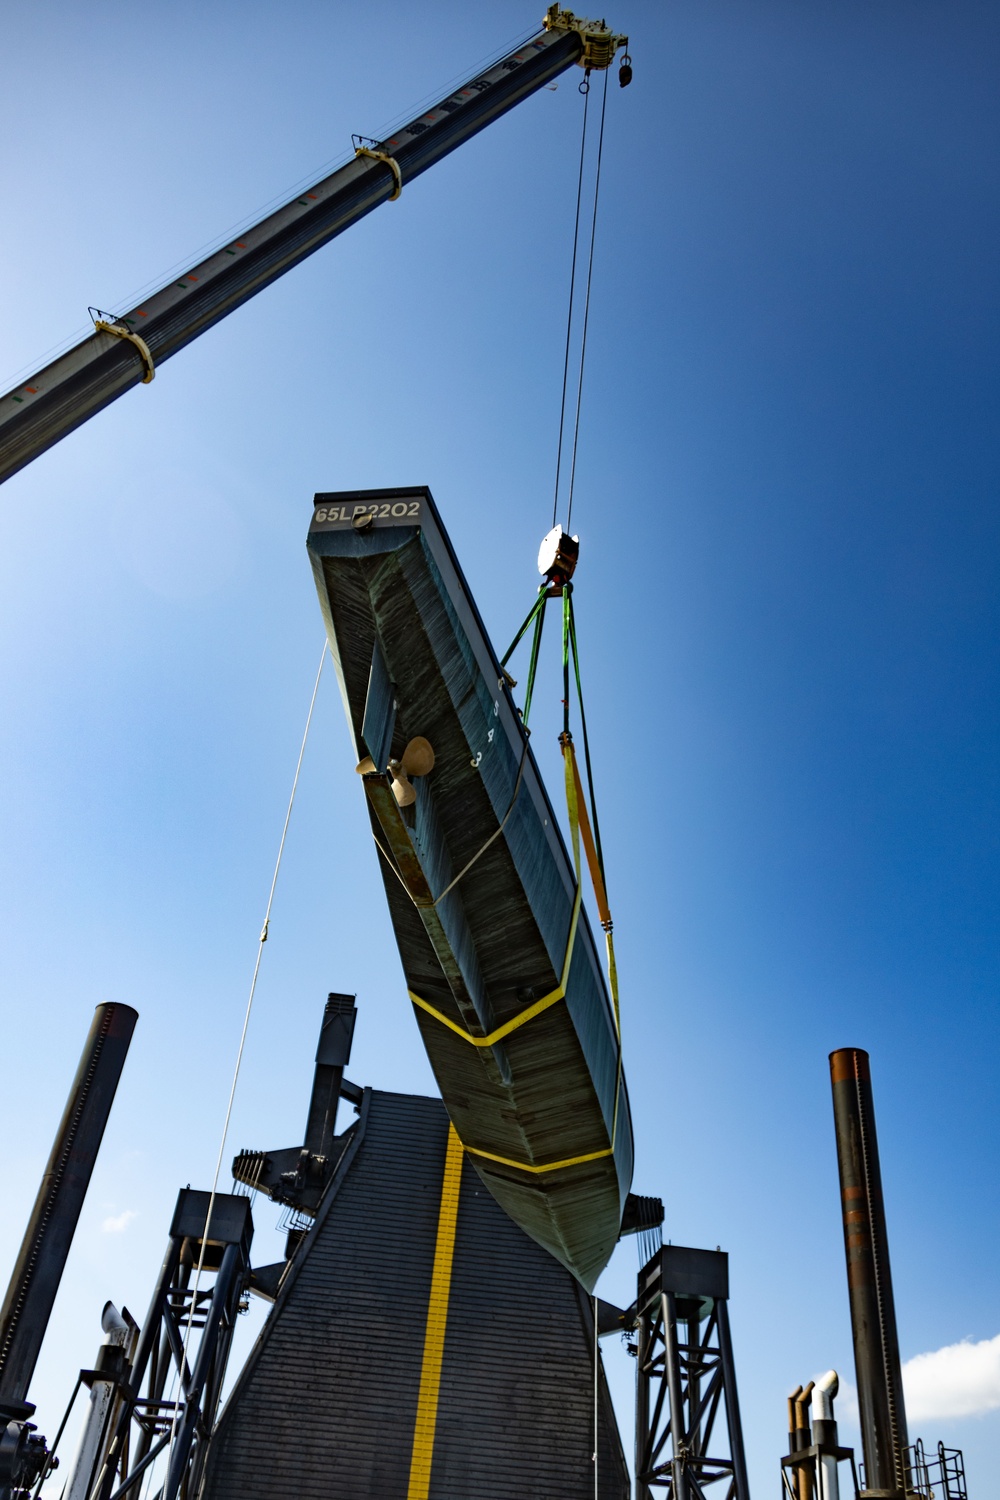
point(417, 759)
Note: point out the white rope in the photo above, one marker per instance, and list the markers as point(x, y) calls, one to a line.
point(239, 1055)
point(597, 1431)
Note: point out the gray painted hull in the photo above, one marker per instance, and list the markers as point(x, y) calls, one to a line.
point(543, 1110)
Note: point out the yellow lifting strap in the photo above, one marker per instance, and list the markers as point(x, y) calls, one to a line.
point(390, 162)
point(119, 331)
point(578, 816)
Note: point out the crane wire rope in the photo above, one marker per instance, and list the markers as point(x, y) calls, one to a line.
point(586, 304)
point(584, 827)
point(536, 615)
point(572, 291)
point(243, 1036)
point(585, 90)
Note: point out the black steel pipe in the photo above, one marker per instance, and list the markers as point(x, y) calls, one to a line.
point(333, 1053)
point(869, 1281)
point(41, 410)
point(38, 1271)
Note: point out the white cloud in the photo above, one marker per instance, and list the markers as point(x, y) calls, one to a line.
point(960, 1380)
point(118, 1223)
point(945, 1385)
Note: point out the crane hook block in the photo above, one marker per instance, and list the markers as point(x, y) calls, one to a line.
point(599, 44)
point(390, 162)
point(557, 556)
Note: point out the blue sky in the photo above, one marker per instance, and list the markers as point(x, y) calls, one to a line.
point(787, 603)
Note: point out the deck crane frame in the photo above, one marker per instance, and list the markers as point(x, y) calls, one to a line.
point(126, 349)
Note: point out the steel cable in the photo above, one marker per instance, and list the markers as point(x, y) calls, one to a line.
point(243, 1036)
point(586, 305)
point(569, 315)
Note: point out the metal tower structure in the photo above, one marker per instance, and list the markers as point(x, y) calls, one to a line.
point(171, 1390)
point(686, 1379)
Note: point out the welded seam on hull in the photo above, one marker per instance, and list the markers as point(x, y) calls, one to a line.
point(552, 1166)
point(529, 1014)
point(568, 1161)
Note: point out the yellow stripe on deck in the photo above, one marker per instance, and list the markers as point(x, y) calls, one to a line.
point(437, 1320)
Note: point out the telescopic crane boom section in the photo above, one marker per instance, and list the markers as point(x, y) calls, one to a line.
point(126, 349)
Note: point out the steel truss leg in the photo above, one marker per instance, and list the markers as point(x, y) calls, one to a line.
point(182, 1427)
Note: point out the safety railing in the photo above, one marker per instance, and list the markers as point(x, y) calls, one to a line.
point(938, 1478)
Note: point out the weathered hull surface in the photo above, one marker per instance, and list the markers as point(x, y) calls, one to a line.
point(542, 1108)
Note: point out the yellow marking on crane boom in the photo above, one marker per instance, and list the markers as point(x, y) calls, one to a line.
point(391, 163)
point(119, 332)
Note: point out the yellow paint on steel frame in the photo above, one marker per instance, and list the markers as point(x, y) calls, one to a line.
point(437, 1320)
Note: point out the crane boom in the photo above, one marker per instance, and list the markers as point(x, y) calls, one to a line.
point(126, 349)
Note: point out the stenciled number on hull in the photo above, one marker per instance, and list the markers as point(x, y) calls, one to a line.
point(388, 510)
point(477, 758)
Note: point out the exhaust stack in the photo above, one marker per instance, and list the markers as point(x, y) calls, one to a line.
point(332, 1056)
point(869, 1282)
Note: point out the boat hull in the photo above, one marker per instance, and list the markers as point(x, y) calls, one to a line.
point(500, 961)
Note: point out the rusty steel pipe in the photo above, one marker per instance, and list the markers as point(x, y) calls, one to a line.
point(869, 1281)
point(803, 1439)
